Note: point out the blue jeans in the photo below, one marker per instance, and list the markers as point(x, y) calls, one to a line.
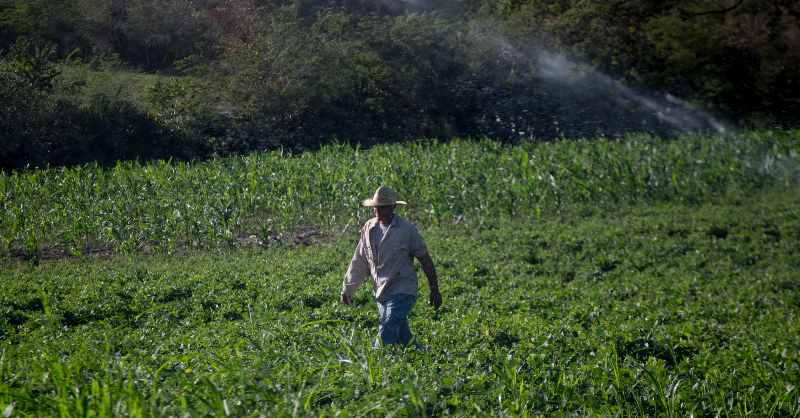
point(393, 328)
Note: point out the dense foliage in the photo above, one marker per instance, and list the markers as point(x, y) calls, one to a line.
point(740, 55)
point(64, 113)
point(299, 74)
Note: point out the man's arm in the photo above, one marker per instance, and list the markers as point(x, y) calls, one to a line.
point(356, 274)
point(433, 281)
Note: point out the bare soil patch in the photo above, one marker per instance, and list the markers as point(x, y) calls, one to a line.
point(50, 252)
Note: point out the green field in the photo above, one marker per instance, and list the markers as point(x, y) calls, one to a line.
point(639, 278)
point(163, 207)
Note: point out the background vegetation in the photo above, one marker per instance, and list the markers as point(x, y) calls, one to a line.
point(256, 75)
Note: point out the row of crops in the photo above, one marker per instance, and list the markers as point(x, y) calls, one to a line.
point(165, 205)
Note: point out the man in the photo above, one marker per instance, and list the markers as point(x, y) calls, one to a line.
point(386, 251)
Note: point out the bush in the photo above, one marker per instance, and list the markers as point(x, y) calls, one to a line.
point(43, 125)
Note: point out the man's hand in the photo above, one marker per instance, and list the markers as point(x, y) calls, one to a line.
point(345, 300)
point(435, 299)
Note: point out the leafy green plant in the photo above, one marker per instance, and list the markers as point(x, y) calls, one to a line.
point(168, 100)
point(634, 310)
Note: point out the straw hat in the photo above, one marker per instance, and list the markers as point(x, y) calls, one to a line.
point(383, 196)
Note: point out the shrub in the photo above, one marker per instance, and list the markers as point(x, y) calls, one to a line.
point(46, 123)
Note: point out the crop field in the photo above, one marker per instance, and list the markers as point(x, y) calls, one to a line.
point(162, 207)
point(642, 278)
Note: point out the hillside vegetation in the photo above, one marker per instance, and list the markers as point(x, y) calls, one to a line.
point(257, 75)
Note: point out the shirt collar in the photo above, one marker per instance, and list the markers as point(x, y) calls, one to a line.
point(375, 221)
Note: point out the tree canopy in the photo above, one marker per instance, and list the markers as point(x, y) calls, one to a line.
point(257, 74)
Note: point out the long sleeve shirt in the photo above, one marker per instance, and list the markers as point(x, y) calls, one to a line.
point(390, 262)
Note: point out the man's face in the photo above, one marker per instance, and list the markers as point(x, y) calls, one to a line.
point(384, 213)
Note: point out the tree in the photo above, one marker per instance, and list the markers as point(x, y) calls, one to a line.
point(742, 55)
point(737, 57)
